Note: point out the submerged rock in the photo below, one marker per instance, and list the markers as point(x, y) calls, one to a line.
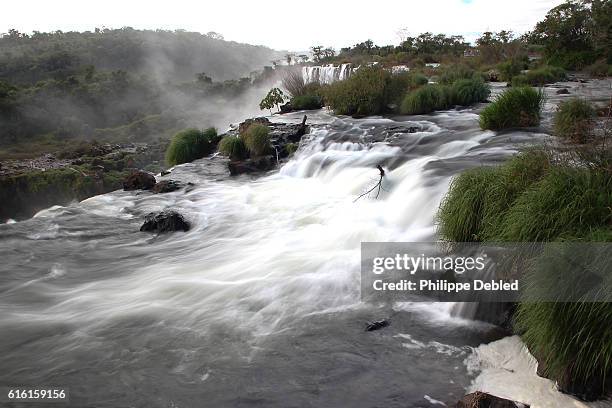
point(139, 180)
point(563, 91)
point(264, 163)
point(377, 325)
point(482, 400)
point(166, 186)
point(164, 221)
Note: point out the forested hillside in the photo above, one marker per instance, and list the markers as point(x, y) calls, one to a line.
point(118, 85)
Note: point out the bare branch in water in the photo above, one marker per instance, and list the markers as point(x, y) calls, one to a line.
point(377, 185)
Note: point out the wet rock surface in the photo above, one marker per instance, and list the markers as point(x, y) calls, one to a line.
point(164, 221)
point(166, 186)
point(483, 400)
point(139, 180)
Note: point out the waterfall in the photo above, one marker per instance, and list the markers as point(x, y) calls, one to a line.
point(326, 74)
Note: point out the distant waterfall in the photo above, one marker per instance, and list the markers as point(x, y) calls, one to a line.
point(326, 74)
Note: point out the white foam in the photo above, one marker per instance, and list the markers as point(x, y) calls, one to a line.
point(506, 369)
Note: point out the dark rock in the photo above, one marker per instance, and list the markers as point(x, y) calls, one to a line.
point(164, 221)
point(563, 91)
point(264, 163)
point(497, 313)
point(286, 108)
point(377, 325)
point(139, 180)
point(166, 186)
point(78, 162)
point(594, 389)
point(482, 400)
point(245, 125)
point(165, 172)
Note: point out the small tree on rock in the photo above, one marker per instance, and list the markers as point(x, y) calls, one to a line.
point(274, 98)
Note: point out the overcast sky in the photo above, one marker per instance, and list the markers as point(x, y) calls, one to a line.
point(283, 25)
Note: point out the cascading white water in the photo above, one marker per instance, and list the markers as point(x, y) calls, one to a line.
point(260, 300)
point(326, 74)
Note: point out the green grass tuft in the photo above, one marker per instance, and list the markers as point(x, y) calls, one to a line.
point(539, 77)
point(574, 120)
point(257, 139)
point(516, 107)
point(466, 92)
point(191, 144)
point(233, 147)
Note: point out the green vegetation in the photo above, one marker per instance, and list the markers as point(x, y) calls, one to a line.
point(233, 147)
point(361, 95)
point(429, 98)
point(479, 199)
point(516, 107)
point(306, 102)
point(574, 119)
point(275, 97)
point(511, 68)
point(466, 92)
point(257, 139)
point(528, 199)
point(453, 73)
point(191, 144)
point(425, 100)
point(539, 76)
point(291, 148)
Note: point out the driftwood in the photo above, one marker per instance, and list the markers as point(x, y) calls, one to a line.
point(377, 185)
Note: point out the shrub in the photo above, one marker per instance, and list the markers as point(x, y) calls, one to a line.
point(425, 100)
point(516, 107)
point(257, 139)
point(306, 102)
point(510, 68)
point(361, 94)
point(233, 147)
point(574, 119)
point(469, 91)
point(191, 144)
point(454, 73)
point(539, 76)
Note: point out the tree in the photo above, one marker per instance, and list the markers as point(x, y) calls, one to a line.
point(274, 98)
point(317, 52)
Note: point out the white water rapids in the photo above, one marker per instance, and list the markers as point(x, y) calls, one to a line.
point(258, 304)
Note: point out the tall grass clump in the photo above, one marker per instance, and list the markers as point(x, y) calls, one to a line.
point(567, 201)
point(425, 99)
point(574, 119)
point(572, 341)
point(191, 144)
point(539, 76)
point(257, 139)
point(510, 68)
point(362, 94)
point(466, 92)
point(453, 73)
point(479, 198)
point(233, 147)
point(516, 107)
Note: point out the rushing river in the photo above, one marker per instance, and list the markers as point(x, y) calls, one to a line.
point(258, 304)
